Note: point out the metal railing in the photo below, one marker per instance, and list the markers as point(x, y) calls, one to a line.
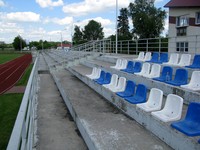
point(135, 46)
point(22, 136)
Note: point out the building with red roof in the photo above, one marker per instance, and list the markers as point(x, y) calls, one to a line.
point(184, 26)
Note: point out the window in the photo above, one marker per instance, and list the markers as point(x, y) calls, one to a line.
point(182, 21)
point(182, 46)
point(182, 31)
point(198, 18)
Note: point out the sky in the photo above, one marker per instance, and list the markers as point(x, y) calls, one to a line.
point(50, 20)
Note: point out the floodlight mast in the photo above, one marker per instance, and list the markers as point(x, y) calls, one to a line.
point(116, 46)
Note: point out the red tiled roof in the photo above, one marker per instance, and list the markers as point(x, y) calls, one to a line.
point(183, 3)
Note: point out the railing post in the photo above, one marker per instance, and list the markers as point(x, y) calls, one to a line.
point(128, 48)
point(136, 42)
point(147, 45)
point(159, 45)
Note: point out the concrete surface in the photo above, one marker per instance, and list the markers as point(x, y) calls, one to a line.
point(105, 126)
point(163, 130)
point(56, 130)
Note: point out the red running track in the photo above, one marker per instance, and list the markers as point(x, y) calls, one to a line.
point(12, 71)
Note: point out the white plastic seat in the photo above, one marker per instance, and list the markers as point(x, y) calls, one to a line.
point(145, 69)
point(194, 83)
point(173, 60)
point(185, 60)
point(118, 64)
point(113, 82)
point(96, 75)
point(147, 56)
point(140, 56)
point(172, 109)
point(123, 64)
point(154, 101)
point(93, 72)
point(155, 71)
point(121, 85)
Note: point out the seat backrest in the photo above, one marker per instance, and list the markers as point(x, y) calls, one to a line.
point(173, 106)
point(196, 60)
point(164, 57)
point(138, 66)
point(147, 56)
point(181, 76)
point(195, 79)
point(155, 98)
point(108, 77)
point(130, 87)
point(124, 63)
point(114, 80)
point(130, 65)
point(174, 58)
point(193, 113)
point(185, 60)
point(121, 83)
point(98, 72)
point(155, 56)
point(102, 75)
point(167, 70)
point(119, 63)
point(141, 56)
point(141, 91)
point(94, 70)
point(145, 68)
point(155, 70)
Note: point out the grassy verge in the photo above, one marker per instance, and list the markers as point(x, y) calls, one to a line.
point(23, 81)
point(7, 57)
point(9, 107)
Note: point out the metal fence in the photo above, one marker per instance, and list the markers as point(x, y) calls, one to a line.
point(135, 46)
point(22, 136)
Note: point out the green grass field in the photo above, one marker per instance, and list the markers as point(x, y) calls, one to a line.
point(7, 57)
point(9, 107)
point(23, 81)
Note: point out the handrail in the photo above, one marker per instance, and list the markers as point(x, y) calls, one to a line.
point(22, 133)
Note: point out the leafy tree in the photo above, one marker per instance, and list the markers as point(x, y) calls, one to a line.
point(93, 31)
point(148, 21)
point(19, 43)
point(123, 25)
point(78, 36)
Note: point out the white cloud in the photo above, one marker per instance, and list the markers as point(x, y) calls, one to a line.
point(92, 6)
point(49, 3)
point(63, 21)
point(22, 17)
point(2, 3)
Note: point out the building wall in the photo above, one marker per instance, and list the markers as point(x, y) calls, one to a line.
point(193, 30)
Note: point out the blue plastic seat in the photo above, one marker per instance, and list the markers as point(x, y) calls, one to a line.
point(137, 68)
point(163, 58)
point(166, 74)
point(101, 78)
point(180, 78)
point(107, 79)
point(140, 95)
point(129, 90)
point(154, 58)
point(191, 124)
point(129, 67)
point(199, 141)
point(196, 63)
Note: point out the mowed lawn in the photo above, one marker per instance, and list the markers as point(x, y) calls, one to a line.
point(10, 104)
point(7, 57)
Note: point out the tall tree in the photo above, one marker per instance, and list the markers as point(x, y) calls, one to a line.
point(148, 21)
point(123, 25)
point(78, 35)
point(93, 31)
point(19, 43)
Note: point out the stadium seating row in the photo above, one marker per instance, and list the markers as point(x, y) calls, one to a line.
point(180, 79)
point(162, 58)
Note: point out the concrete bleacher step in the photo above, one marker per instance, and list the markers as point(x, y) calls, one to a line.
point(187, 95)
point(101, 125)
point(169, 135)
point(55, 129)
